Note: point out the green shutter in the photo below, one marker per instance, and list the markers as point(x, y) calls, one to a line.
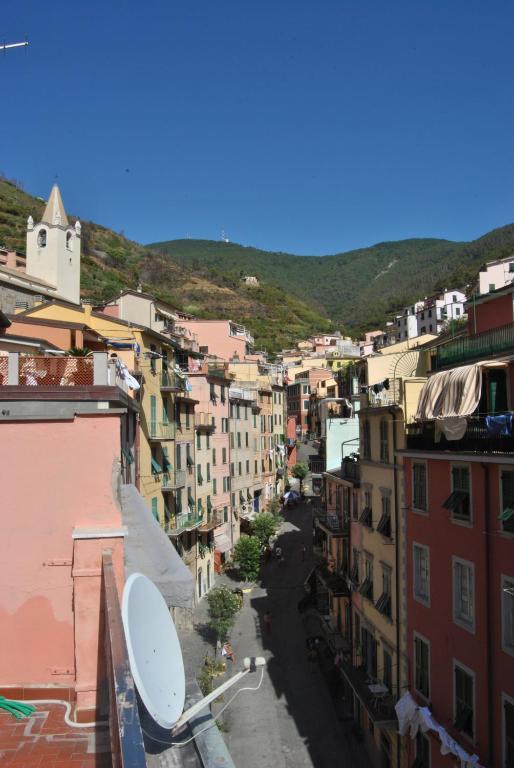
point(209, 505)
point(153, 415)
point(165, 411)
point(166, 460)
point(154, 508)
point(156, 467)
point(127, 454)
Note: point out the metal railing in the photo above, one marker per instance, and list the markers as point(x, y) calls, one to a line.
point(203, 420)
point(185, 521)
point(171, 380)
point(477, 438)
point(334, 523)
point(351, 470)
point(126, 737)
point(50, 371)
point(175, 478)
point(161, 430)
point(466, 348)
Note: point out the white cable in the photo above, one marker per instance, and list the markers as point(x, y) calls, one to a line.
point(67, 720)
point(183, 743)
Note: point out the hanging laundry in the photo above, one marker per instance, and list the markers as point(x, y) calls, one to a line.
point(452, 427)
point(386, 383)
point(499, 425)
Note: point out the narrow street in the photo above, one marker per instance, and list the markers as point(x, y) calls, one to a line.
point(292, 720)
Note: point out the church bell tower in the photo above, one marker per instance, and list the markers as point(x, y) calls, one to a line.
point(53, 249)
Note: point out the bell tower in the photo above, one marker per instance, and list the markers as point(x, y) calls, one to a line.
point(53, 249)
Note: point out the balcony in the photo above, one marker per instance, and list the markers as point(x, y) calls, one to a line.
point(204, 421)
point(220, 371)
point(351, 470)
point(334, 581)
point(211, 520)
point(172, 382)
point(186, 521)
point(173, 480)
point(476, 439)
point(386, 397)
point(161, 431)
point(468, 348)
point(334, 524)
point(380, 708)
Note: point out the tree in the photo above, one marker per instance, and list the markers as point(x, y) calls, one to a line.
point(265, 526)
point(300, 471)
point(223, 606)
point(247, 555)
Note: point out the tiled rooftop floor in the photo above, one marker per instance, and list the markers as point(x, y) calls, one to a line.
point(45, 741)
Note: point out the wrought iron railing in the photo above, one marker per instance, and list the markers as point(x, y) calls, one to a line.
point(477, 438)
point(467, 348)
point(173, 479)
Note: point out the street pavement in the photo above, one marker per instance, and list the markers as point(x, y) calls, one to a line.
point(292, 720)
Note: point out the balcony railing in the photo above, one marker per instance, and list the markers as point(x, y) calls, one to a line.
point(351, 470)
point(161, 430)
point(173, 479)
point(126, 737)
point(334, 581)
point(333, 523)
point(380, 709)
point(172, 382)
point(184, 522)
point(476, 439)
point(467, 348)
point(211, 520)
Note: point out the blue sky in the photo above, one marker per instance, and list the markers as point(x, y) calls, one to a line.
point(308, 127)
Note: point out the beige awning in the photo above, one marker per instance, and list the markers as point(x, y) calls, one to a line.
point(222, 543)
point(452, 393)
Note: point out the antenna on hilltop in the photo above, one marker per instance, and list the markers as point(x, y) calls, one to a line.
point(224, 237)
point(5, 46)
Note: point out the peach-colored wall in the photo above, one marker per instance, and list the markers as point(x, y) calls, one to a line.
point(57, 477)
point(214, 334)
point(61, 337)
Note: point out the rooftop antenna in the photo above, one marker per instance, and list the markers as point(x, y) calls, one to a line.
point(4, 46)
point(155, 656)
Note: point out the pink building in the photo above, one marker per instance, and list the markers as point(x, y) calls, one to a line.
point(221, 338)
point(210, 388)
point(291, 441)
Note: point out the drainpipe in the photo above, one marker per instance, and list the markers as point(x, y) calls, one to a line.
point(490, 756)
point(397, 575)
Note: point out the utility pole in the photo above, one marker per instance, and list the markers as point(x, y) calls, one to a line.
point(5, 46)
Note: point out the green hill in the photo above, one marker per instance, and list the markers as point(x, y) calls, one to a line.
point(110, 262)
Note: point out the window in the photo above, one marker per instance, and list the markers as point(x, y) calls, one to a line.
point(305, 405)
point(507, 601)
point(214, 486)
point(366, 440)
point(178, 456)
point(188, 424)
point(239, 439)
point(507, 501)
point(508, 732)
point(387, 671)
point(463, 594)
point(246, 440)
point(256, 470)
point(458, 500)
point(153, 358)
point(422, 751)
point(464, 700)
point(422, 666)
point(208, 472)
point(224, 424)
point(354, 573)
point(384, 524)
point(492, 286)
point(231, 439)
point(232, 469)
point(366, 588)
point(199, 478)
point(305, 389)
point(457, 311)
point(421, 576)
point(212, 394)
point(41, 238)
point(69, 241)
point(239, 468)
point(214, 457)
point(155, 513)
point(198, 440)
point(233, 500)
point(247, 466)
point(208, 441)
point(225, 514)
point(223, 455)
point(384, 441)
point(419, 487)
point(383, 604)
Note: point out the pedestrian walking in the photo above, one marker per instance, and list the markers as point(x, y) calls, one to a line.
point(267, 621)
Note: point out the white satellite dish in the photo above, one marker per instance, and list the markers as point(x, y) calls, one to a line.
point(154, 650)
point(155, 656)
